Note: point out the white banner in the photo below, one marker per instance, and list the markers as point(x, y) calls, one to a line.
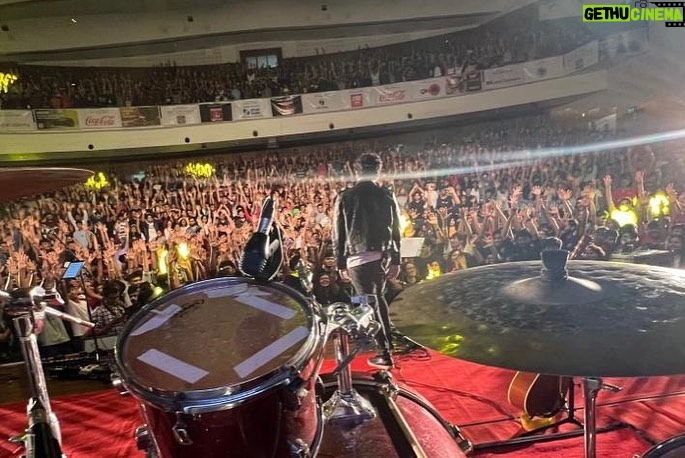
point(622, 44)
point(542, 69)
point(583, 57)
point(494, 78)
point(99, 118)
point(527, 72)
point(391, 93)
point(251, 109)
point(605, 124)
point(11, 120)
point(325, 101)
point(180, 115)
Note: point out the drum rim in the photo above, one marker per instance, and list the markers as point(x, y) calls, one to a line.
point(664, 444)
point(226, 396)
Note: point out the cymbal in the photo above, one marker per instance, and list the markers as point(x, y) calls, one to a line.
point(606, 319)
point(30, 181)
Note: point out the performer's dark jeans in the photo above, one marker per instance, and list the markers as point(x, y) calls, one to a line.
point(370, 278)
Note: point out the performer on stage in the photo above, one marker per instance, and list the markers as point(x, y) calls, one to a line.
point(366, 243)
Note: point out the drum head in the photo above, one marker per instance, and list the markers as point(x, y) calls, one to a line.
point(213, 334)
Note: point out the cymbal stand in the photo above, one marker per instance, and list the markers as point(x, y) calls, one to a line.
point(346, 405)
point(583, 429)
point(591, 386)
point(43, 438)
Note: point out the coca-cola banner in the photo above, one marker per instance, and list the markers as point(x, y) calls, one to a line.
point(140, 116)
point(56, 119)
point(99, 118)
point(321, 102)
point(175, 115)
point(216, 112)
point(251, 109)
point(391, 93)
point(286, 105)
point(13, 120)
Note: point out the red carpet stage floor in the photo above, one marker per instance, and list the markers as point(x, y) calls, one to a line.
point(471, 396)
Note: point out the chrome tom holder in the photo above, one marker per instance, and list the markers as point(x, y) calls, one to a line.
point(347, 322)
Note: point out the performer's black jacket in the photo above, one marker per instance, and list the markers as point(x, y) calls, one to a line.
point(366, 218)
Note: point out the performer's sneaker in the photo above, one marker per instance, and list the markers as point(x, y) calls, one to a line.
point(381, 361)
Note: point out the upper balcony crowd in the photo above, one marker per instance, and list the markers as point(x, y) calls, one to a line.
point(516, 37)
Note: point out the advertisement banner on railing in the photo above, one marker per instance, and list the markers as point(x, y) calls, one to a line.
point(359, 98)
point(181, 115)
point(251, 109)
point(623, 44)
point(527, 72)
point(140, 116)
point(13, 120)
point(427, 89)
point(542, 69)
point(286, 105)
point(390, 93)
point(583, 57)
point(325, 101)
point(494, 78)
point(99, 118)
point(216, 112)
point(56, 119)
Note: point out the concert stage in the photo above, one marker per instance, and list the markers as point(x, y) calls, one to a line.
point(101, 423)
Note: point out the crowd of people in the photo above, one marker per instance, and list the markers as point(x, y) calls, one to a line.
point(516, 37)
point(472, 195)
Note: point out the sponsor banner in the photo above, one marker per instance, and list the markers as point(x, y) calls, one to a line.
point(527, 72)
point(455, 85)
point(286, 105)
point(391, 93)
point(12, 120)
point(623, 44)
point(427, 89)
point(583, 57)
point(56, 119)
point(510, 75)
point(359, 98)
point(325, 101)
point(216, 112)
point(542, 69)
point(175, 115)
point(251, 109)
point(99, 118)
point(140, 116)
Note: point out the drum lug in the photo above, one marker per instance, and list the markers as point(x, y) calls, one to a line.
point(181, 432)
point(118, 385)
point(299, 449)
point(293, 396)
point(142, 436)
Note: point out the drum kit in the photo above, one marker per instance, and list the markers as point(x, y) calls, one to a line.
point(230, 367)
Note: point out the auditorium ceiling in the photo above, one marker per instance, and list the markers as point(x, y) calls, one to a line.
point(284, 21)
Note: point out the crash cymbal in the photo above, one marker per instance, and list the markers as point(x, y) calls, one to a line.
point(31, 181)
point(604, 319)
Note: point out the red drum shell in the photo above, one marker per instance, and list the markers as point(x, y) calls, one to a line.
point(231, 364)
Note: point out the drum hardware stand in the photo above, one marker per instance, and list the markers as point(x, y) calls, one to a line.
point(43, 438)
point(346, 405)
point(534, 436)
